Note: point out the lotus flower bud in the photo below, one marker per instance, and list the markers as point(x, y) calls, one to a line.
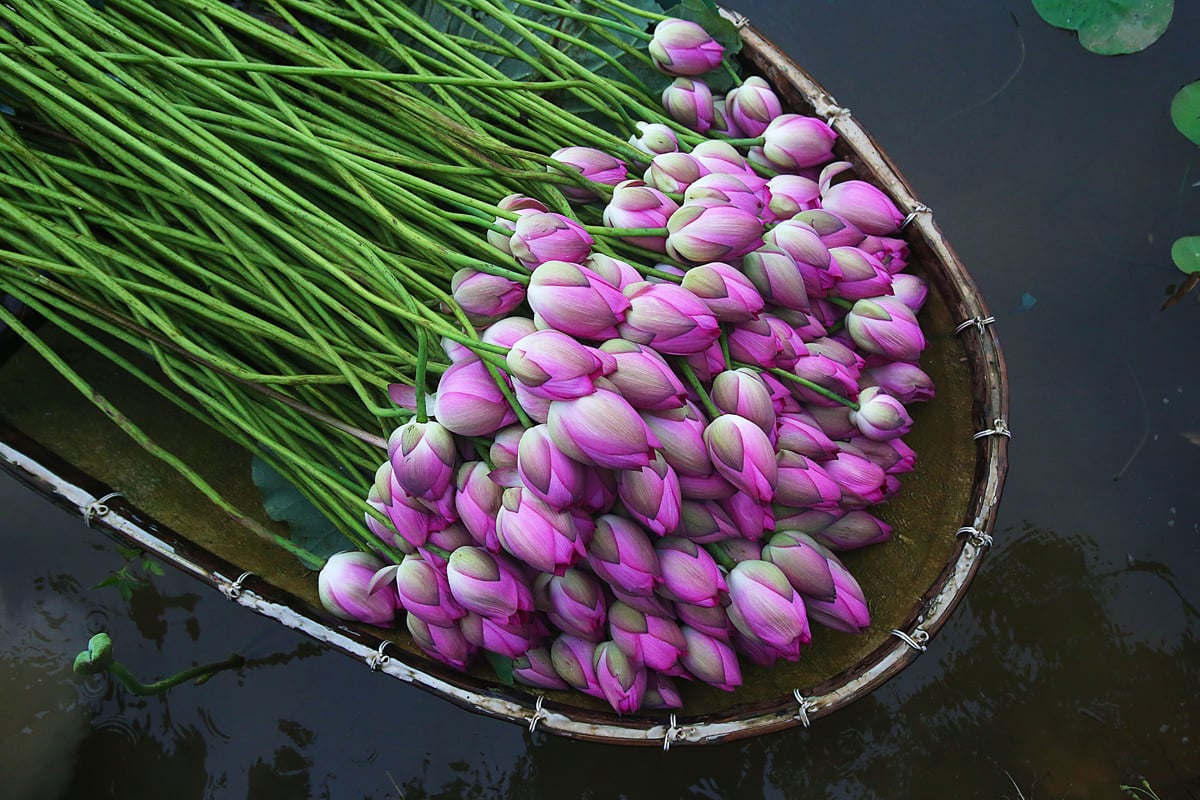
point(595, 165)
point(705, 521)
point(710, 660)
point(745, 191)
point(573, 299)
point(690, 103)
point(705, 487)
point(574, 661)
point(546, 472)
point(806, 438)
point(698, 234)
point(409, 522)
point(343, 586)
point(535, 668)
point(556, 366)
point(856, 529)
point(534, 532)
point(505, 445)
point(722, 157)
point(723, 125)
point(468, 401)
point(488, 584)
point(860, 274)
point(806, 568)
point(763, 605)
point(893, 456)
point(793, 141)
point(442, 643)
point(424, 456)
point(743, 392)
point(539, 238)
point(668, 318)
point(789, 195)
point(643, 377)
point(753, 517)
point(661, 693)
point(651, 495)
point(654, 138)
point(907, 382)
point(777, 276)
point(621, 554)
point(652, 641)
point(681, 47)
point(891, 252)
point(827, 373)
point(742, 453)
point(804, 484)
point(622, 682)
point(425, 591)
point(753, 105)
point(477, 499)
point(499, 235)
point(880, 416)
point(484, 297)
point(574, 603)
point(756, 342)
point(674, 172)
point(886, 327)
point(689, 573)
point(862, 482)
point(729, 295)
point(636, 205)
point(810, 254)
point(680, 433)
point(848, 610)
point(601, 429)
point(910, 290)
point(511, 638)
point(860, 203)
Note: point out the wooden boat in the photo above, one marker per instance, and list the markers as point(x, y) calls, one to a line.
point(54, 440)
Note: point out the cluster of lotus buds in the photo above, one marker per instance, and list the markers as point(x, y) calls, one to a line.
point(656, 481)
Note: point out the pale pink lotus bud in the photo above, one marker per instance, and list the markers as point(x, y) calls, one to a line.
point(674, 172)
point(651, 495)
point(805, 520)
point(643, 377)
point(601, 429)
point(891, 252)
point(721, 157)
point(743, 392)
point(547, 472)
point(833, 420)
point(425, 590)
point(711, 620)
point(705, 487)
point(681, 47)
point(468, 401)
point(441, 643)
point(509, 638)
point(499, 235)
point(680, 434)
point(536, 533)
point(595, 165)
point(697, 234)
point(507, 331)
point(574, 661)
point(424, 456)
point(794, 141)
point(856, 529)
point(543, 237)
point(893, 456)
point(885, 326)
point(806, 568)
point(743, 454)
point(753, 517)
point(860, 203)
point(689, 573)
point(745, 191)
point(760, 652)
point(806, 438)
point(777, 277)
point(705, 522)
point(756, 341)
point(848, 610)
point(556, 366)
point(753, 106)
point(636, 205)
point(904, 381)
point(763, 604)
point(910, 290)
point(344, 588)
point(799, 240)
point(477, 499)
point(505, 445)
point(860, 274)
point(862, 482)
point(690, 103)
point(880, 416)
point(661, 693)
point(652, 641)
point(827, 373)
point(387, 497)
point(620, 552)
point(668, 318)
point(484, 297)
point(707, 362)
point(573, 299)
point(654, 138)
point(617, 272)
point(804, 484)
point(599, 491)
point(723, 125)
point(729, 295)
point(574, 602)
point(488, 584)
point(710, 660)
point(535, 668)
point(520, 202)
point(788, 195)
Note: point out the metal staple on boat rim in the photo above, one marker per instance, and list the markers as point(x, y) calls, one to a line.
point(379, 658)
point(977, 322)
point(999, 428)
point(674, 733)
point(978, 538)
point(97, 508)
point(916, 641)
point(806, 704)
point(234, 590)
point(539, 713)
point(918, 210)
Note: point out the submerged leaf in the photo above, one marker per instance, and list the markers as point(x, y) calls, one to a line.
point(283, 502)
point(1186, 254)
point(1110, 27)
point(1185, 111)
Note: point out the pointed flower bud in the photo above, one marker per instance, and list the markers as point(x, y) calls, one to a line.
point(653, 641)
point(668, 318)
point(777, 276)
point(468, 401)
point(661, 692)
point(556, 366)
point(794, 141)
point(573, 299)
point(543, 237)
point(689, 573)
point(535, 668)
point(601, 429)
point(484, 297)
point(880, 416)
point(753, 105)
point(742, 453)
point(743, 392)
point(885, 326)
point(860, 203)
point(856, 529)
point(729, 295)
point(425, 591)
point(674, 172)
point(654, 138)
point(697, 234)
point(621, 554)
point(442, 643)
point(343, 585)
point(806, 568)
point(710, 660)
point(595, 165)
point(861, 274)
point(487, 584)
point(547, 472)
point(789, 195)
point(804, 484)
point(651, 495)
point(862, 482)
point(532, 531)
point(510, 638)
point(424, 456)
point(848, 610)
point(643, 377)
point(745, 191)
point(763, 604)
point(574, 660)
point(681, 47)
point(690, 103)
point(574, 602)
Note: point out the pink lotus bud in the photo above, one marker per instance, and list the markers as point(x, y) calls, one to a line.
point(689, 573)
point(617, 272)
point(555, 366)
point(806, 568)
point(484, 297)
point(857, 529)
point(743, 392)
point(601, 429)
point(651, 495)
point(743, 455)
point(539, 238)
point(487, 584)
point(690, 103)
point(636, 205)
point(698, 234)
point(442, 643)
point(425, 591)
point(535, 668)
point(860, 274)
point(404, 514)
point(599, 491)
point(756, 342)
point(546, 472)
point(891, 252)
point(661, 693)
point(652, 641)
point(862, 482)
point(722, 157)
point(710, 660)
point(826, 373)
point(468, 401)
point(510, 638)
point(907, 382)
point(574, 661)
point(753, 106)
point(860, 203)
point(804, 484)
point(505, 445)
point(574, 603)
point(705, 521)
point(789, 195)
point(680, 433)
point(801, 436)
point(595, 165)
point(834, 230)
point(753, 517)
point(674, 172)
point(799, 240)
point(507, 331)
point(723, 125)
point(643, 377)
point(848, 610)
point(477, 499)
point(793, 141)
point(424, 456)
point(621, 554)
point(777, 276)
point(532, 531)
point(668, 318)
point(711, 621)
point(680, 47)
point(893, 456)
point(910, 290)
point(886, 327)
point(705, 487)
point(880, 416)
point(763, 604)
point(573, 299)
point(729, 295)
point(654, 138)
point(343, 586)
point(760, 652)
point(745, 191)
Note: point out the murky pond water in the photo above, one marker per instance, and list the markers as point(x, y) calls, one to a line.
point(1072, 667)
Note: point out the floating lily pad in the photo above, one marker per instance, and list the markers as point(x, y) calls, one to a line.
point(1185, 111)
point(1186, 254)
point(283, 502)
point(1110, 27)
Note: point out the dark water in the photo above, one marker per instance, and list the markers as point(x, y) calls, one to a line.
point(1072, 667)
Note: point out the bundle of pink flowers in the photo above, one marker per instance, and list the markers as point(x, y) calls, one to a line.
point(657, 481)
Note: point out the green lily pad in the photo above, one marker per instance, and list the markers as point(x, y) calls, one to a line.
point(1110, 27)
point(1186, 254)
point(283, 502)
point(1185, 111)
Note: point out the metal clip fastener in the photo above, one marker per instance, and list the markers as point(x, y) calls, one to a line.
point(233, 590)
point(999, 428)
point(835, 113)
point(806, 704)
point(916, 641)
point(377, 659)
point(918, 210)
point(977, 537)
point(97, 508)
point(975, 322)
point(539, 713)
point(674, 734)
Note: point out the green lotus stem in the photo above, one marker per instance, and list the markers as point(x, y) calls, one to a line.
point(821, 390)
point(685, 369)
point(98, 659)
